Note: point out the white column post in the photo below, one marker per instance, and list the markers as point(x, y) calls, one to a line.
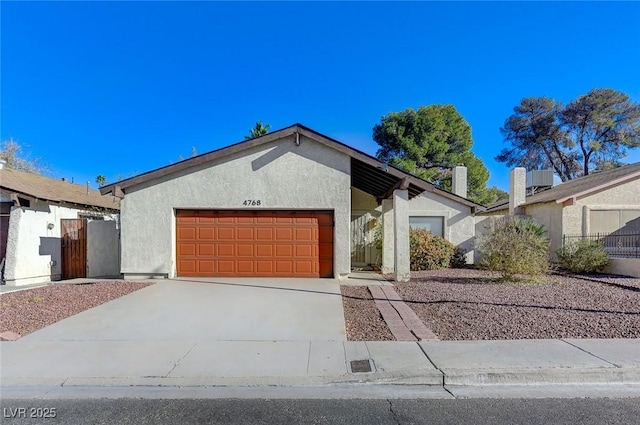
point(388, 239)
point(401, 238)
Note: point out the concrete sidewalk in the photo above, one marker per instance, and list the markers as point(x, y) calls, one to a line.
point(32, 363)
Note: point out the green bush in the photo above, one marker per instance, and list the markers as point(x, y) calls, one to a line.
point(429, 252)
point(583, 256)
point(515, 246)
point(459, 259)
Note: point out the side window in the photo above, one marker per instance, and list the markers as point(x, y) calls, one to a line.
point(433, 224)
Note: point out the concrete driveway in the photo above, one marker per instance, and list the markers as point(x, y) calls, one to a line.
point(215, 309)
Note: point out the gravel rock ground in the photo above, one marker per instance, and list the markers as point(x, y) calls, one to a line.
point(362, 318)
point(462, 304)
point(27, 311)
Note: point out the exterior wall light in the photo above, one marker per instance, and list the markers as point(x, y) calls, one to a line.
point(49, 226)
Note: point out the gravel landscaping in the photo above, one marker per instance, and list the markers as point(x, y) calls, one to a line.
point(27, 311)
point(362, 318)
point(467, 304)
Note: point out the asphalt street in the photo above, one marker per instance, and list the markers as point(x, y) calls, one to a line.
point(583, 411)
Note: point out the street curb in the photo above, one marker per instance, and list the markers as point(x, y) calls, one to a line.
point(611, 375)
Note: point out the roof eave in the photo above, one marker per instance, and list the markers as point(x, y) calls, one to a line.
point(118, 189)
point(572, 198)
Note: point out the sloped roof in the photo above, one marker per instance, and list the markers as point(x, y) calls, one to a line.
point(582, 186)
point(367, 173)
point(47, 189)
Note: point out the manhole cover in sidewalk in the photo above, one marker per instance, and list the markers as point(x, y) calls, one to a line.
point(360, 366)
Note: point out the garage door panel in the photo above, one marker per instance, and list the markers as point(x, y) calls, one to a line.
point(186, 233)
point(254, 243)
point(206, 233)
point(304, 234)
point(264, 250)
point(226, 250)
point(245, 267)
point(284, 266)
point(188, 266)
point(225, 266)
point(265, 267)
point(283, 220)
point(304, 267)
point(245, 233)
point(264, 234)
point(206, 266)
point(284, 234)
point(187, 249)
point(226, 233)
point(304, 251)
point(244, 250)
point(284, 251)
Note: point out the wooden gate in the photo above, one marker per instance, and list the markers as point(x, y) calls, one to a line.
point(74, 248)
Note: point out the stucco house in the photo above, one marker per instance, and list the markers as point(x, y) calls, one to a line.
point(52, 229)
point(603, 202)
point(290, 203)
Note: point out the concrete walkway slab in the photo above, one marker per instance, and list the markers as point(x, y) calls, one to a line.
point(518, 362)
point(504, 354)
point(620, 352)
point(244, 359)
point(212, 310)
point(59, 360)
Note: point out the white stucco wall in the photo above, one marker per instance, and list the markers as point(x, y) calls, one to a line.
point(33, 250)
point(459, 223)
point(624, 266)
point(624, 196)
point(103, 249)
point(280, 174)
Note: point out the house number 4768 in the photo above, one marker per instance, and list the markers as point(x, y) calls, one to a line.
point(252, 202)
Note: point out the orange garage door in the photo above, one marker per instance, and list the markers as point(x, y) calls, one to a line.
point(255, 243)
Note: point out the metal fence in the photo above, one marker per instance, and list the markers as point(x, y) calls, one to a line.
point(618, 245)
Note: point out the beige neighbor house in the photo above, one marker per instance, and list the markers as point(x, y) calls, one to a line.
point(603, 205)
point(52, 230)
point(292, 203)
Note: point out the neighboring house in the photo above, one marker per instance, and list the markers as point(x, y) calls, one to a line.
point(603, 202)
point(291, 203)
point(52, 229)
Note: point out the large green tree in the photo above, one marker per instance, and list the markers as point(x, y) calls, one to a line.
point(428, 142)
point(595, 130)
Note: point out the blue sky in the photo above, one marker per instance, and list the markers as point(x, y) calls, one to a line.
point(120, 88)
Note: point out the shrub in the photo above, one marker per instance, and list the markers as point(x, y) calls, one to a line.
point(429, 252)
point(583, 256)
point(515, 246)
point(459, 259)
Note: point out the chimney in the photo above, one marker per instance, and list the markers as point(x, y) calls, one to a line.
point(459, 180)
point(517, 189)
point(2, 164)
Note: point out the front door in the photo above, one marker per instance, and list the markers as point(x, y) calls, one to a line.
point(74, 248)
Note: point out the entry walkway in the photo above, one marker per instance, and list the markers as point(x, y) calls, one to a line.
point(403, 323)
